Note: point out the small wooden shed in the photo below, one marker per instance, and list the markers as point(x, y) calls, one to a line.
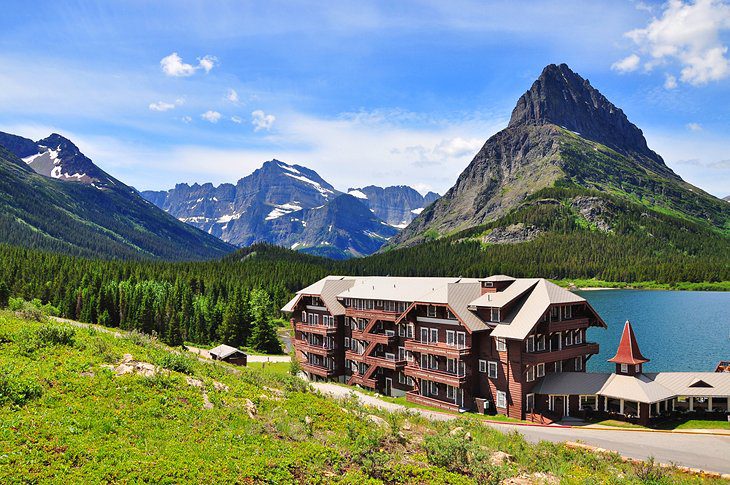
point(229, 354)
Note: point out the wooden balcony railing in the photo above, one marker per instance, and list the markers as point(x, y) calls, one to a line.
point(318, 329)
point(570, 352)
point(380, 338)
point(362, 381)
point(304, 346)
point(318, 370)
point(572, 324)
point(384, 362)
point(442, 377)
point(437, 348)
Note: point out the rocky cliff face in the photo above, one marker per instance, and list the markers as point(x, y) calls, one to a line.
point(396, 205)
point(562, 131)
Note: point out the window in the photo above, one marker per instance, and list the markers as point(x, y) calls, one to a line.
point(482, 366)
point(501, 344)
point(401, 330)
point(567, 312)
point(638, 368)
point(555, 313)
point(304, 317)
point(501, 399)
point(624, 368)
point(450, 392)
point(379, 303)
point(402, 354)
point(451, 366)
point(434, 389)
point(540, 370)
point(461, 340)
point(424, 335)
point(559, 366)
point(450, 337)
point(410, 330)
point(347, 342)
point(530, 374)
point(431, 311)
point(433, 363)
point(494, 315)
point(530, 344)
point(492, 370)
point(579, 363)
point(434, 335)
point(588, 402)
point(540, 343)
point(347, 321)
point(578, 337)
point(569, 338)
point(487, 284)
point(424, 361)
point(529, 403)
point(450, 315)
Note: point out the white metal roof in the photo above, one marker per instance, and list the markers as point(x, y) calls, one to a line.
point(397, 288)
point(327, 288)
point(572, 383)
point(681, 383)
point(223, 351)
point(638, 388)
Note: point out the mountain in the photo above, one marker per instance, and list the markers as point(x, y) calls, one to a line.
point(727, 198)
point(91, 214)
point(288, 205)
point(397, 205)
point(564, 133)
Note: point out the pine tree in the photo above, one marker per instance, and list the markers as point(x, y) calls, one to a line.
point(4, 294)
point(263, 330)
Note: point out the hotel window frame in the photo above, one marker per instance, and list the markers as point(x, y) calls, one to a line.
point(402, 379)
point(433, 388)
point(578, 364)
point(581, 400)
point(402, 354)
point(578, 337)
point(637, 368)
point(451, 334)
point(347, 342)
point(304, 317)
point(423, 331)
point(568, 312)
point(494, 315)
point(459, 337)
point(540, 343)
point(410, 330)
point(433, 363)
point(431, 311)
point(450, 392)
point(431, 333)
point(530, 344)
point(625, 368)
point(540, 370)
point(568, 339)
point(554, 313)
point(482, 366)
point(501, 344)
point(558, 366)
point(487, 284)
point(401, 330)
point(530, 374)
point(451, 365)
point(450, 315)
point(530, 402)
point(492, 369)
point(501, 400)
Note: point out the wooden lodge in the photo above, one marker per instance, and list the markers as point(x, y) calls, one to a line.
point(229, 354)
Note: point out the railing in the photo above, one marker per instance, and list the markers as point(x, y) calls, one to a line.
point(437, 348)
point(318, 329)
point(318, 370)
point(413, 396)
point(442, 377)
point(380, 338)
point(384, 361)
point(569, 352)
point(321, 349)
point(362, 381)
point(572, 324)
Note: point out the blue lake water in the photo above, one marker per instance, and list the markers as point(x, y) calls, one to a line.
point(677, 330)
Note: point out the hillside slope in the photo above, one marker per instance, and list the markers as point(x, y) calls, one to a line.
point(563, 132)
point(101, 218)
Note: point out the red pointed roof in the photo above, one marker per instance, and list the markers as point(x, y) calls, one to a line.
point(628, 350)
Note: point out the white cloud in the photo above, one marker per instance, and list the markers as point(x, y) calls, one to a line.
point(445, 151)
point(688, 35)
point(174, 66)
point(694, 126)
point(186, 119)
point(232, 96)
point(212, 116)
point(262, 121)
point(670, 82)
point(237, 119)
point(161, 106)
point(627, 64)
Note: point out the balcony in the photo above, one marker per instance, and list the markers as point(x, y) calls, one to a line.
point(573, 324)
point(352, 355)
point(318, 329)
point(318, 370)
point(358, 379)
point(413, 396)
point(438, 348)
point(566, 353)
point(319, 349)
point(384, 361)
point(381, 338)
point(440, 376)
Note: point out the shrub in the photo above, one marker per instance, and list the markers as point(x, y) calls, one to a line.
point(141, 339)
point(449, 452)
point(56, 334)
point(16, 389)
point(177, 362)
point(32, 310)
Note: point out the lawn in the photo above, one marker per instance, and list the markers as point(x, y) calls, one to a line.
point(68, 416)
point(671, 425)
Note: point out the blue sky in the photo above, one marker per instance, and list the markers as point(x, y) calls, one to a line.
point(363, 92)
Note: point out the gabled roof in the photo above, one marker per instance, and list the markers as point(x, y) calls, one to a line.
point(572, 383)
point(498, 277)
point(396, 288)
point(327, 288)
point(223, 351)
point(628, 350)
point(640, 388)
point(460, 295)
point(685, 383)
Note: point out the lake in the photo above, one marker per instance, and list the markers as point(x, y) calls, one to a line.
point(677, 330)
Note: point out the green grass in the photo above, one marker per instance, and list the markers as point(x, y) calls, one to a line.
point(614, 423)
point(646, 285)
point(696, 424)
point(68, 418)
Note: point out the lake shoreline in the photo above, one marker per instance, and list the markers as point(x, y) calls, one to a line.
point(595, 285)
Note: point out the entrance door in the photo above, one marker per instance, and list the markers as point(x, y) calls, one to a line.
point(559, 406)
point(388, 386)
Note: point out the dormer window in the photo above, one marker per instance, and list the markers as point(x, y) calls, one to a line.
point(450, 315)
point(431, 311)
point(494, 315)
point(487, 284)
point(625, 368)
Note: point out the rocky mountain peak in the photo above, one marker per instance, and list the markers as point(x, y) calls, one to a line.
point(562, 97)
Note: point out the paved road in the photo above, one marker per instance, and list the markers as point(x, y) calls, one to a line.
point(708, 452)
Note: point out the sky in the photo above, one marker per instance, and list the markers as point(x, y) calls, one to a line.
point(383, 93)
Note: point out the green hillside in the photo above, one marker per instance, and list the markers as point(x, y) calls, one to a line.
point(82, 406)
point(83, 220)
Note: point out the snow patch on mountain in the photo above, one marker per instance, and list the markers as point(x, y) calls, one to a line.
point(357, 193)
point(283, 209)
point(325, 192)
point(417, 211)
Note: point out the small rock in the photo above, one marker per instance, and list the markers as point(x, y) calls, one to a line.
point(124, 369)
point(126, 358)
point(378, 420)
point(251, 408)
point(194, 382)
point(206, 401)
point(533, 479)
point(499, 458)
point(307, 420)
point(406, 425)
point(87, 374)
point(467, 436)
point(219, 386)
point(456, 431)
